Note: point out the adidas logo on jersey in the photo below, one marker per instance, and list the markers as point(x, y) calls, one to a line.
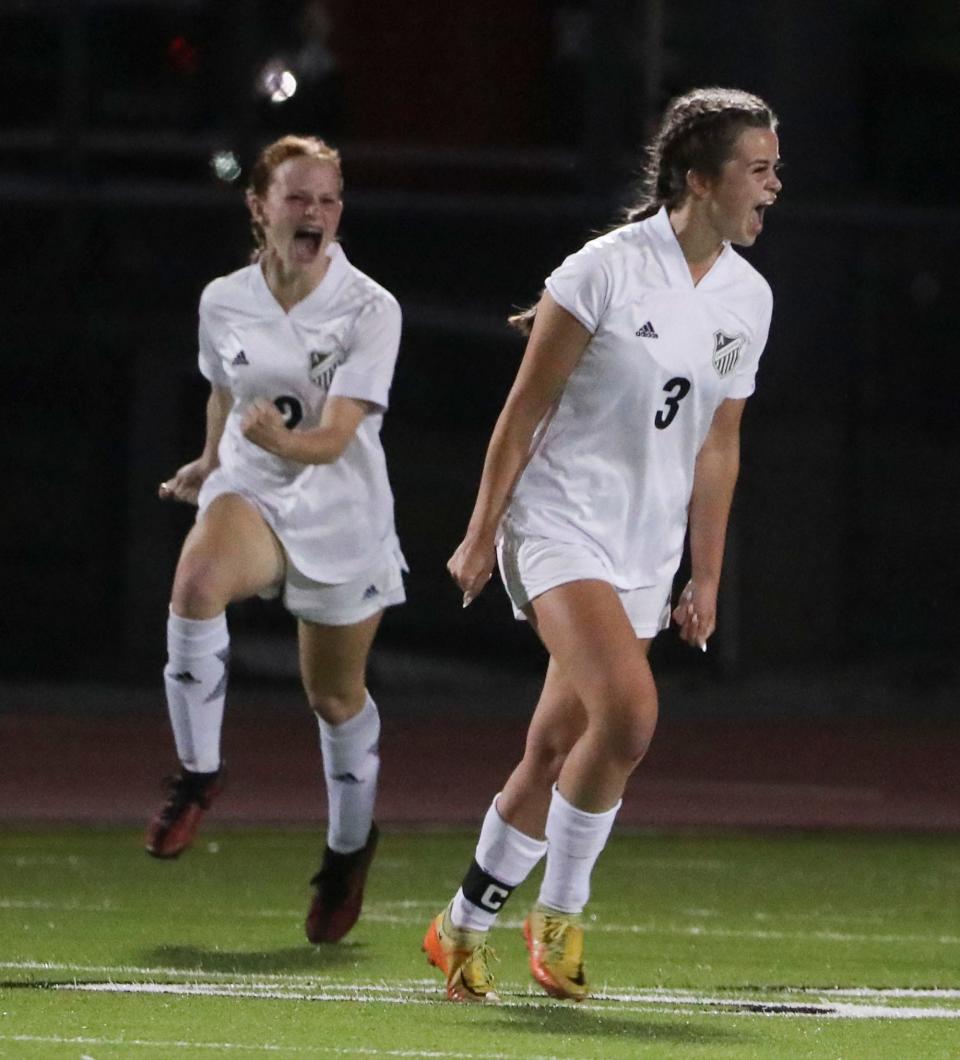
point(370, 592)
point(648, 331)
point(241, 358)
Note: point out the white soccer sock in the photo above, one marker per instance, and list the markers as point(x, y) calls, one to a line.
point(575, 839)
point(351, 763)
point(505, 857)
point(198, 652)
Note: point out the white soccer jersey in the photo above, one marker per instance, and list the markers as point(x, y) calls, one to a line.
point(341, 340)
point(612, 464)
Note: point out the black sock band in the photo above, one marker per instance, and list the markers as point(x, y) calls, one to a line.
point(484, 890)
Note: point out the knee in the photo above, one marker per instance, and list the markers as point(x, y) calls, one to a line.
point(630, 744)
point(199, 590)
point(626, 730)
point(332, 707)
point(545, 754)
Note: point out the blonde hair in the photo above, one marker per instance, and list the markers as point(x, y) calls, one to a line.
point(272, 157)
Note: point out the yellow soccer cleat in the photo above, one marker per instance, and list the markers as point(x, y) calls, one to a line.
point(555, 942)
point(463, 957)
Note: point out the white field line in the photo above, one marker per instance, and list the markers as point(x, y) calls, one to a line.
point(639, 1002)
point(688, 930)
point(22, 861)
point(893, 991)
point(269, 993)
point(59, 907)
point(819, 1002)
point(763, 934)
point(382, 912)
point(295, 979)
point(699, 931)
point(312, 1050)
point(372, 915)
point(314, 981)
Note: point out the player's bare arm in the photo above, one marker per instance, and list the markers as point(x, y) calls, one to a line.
point(715, 477)
point(556, 344)
point(263, 424)
point(185, 484)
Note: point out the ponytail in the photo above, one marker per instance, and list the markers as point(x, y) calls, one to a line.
point(697, 132)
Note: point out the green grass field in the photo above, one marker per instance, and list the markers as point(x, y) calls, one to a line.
point(699, 946)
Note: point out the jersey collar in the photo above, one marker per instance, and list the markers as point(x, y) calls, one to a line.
point(322, 293)
point(332, 279)
point(671, 253)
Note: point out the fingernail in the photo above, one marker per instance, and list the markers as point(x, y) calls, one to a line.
point(703, 645)
point(467, 599)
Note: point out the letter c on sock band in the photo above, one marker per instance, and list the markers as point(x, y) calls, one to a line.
point(484, 890)
point(494, 897)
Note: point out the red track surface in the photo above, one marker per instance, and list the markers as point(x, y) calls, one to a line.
point(443, 767)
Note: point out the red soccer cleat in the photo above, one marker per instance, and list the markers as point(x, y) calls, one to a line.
point(338, 897)
point(174, 826)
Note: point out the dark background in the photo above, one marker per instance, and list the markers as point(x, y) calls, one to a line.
point(481, 143)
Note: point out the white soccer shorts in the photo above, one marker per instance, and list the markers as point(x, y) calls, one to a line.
point(347, 603)
point(531, 565)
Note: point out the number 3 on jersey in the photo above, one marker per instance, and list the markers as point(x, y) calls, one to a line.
point(291, 410)
point(676, 390)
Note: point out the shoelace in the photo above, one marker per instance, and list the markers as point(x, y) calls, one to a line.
point(555, 934)
point(483, 955)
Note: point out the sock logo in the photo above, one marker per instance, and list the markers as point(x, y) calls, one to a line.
point(347, 778)
point(220, 688)
point(185, 678)
point(494, 897)
point(484, 890)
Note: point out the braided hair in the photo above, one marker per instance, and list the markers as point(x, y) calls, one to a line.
point(271, 158)
point(698, 131)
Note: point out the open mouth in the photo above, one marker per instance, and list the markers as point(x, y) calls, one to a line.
point(308, 240)
point(762, 207)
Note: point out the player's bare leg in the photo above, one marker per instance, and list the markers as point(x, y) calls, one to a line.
point(511, 842)
point(603, 681)
point(587, 632)
point(558, 721)
point(333, 661)
point(229, 554)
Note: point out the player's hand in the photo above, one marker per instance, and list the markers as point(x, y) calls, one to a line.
point(263, 424)
point(696, 613)
point(471, 567)
point(185, 485)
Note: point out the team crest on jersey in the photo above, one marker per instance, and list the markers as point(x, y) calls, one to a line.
point(726, 351)
point(323, 363)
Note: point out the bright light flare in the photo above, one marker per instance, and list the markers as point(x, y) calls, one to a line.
point(225, 166)
point(277, 82)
